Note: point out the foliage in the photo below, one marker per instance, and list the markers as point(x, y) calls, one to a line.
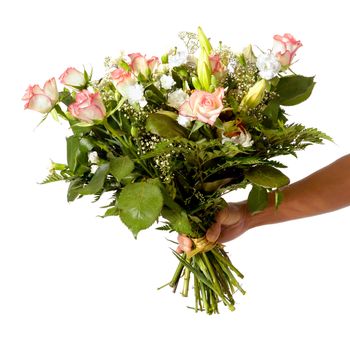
point(155, 164)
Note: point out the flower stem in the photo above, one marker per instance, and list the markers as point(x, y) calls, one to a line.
point(186, 282)
point(175, 280)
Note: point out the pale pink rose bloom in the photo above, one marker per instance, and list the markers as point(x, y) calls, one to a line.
point(72, 77)
point(217, 68)
point(139, 64)
point(122, 80)
point(87, 106)
point(41, 100)
point(285, 48)
point(153, 63)
point(203, 106)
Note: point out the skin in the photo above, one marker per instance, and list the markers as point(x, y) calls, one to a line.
point(324, 191)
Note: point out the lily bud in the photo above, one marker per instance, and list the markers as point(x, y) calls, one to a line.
point(134, 131)
point(254, 95)
point(204, 42)
point(249, 54)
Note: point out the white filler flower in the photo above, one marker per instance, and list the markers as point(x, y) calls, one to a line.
point(167, 82)
point(268, 65)
point(178, 59)
point(134, 94)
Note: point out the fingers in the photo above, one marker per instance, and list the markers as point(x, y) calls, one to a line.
point(185, 244)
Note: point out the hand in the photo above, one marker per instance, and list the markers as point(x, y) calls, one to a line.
point(230, 223)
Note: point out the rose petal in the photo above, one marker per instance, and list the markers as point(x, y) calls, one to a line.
point(40, 103)
point(185, 109)
point(50, 89)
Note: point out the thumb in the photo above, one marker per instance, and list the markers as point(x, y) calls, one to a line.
point(213, 232)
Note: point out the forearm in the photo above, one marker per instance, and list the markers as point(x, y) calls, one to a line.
point(323, 191)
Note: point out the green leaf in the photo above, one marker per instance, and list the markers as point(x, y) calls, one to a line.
point(73, 189)
point(272, 110)
point(153, 94)
point(77, 153)
point(164, 126)
point(121, 167)
point(294, 89)
point(97, 181)
point(73, 152)
point(257, 199)
point(140, 204)
point(114, 211)
point(266, 176)
point(178, 220)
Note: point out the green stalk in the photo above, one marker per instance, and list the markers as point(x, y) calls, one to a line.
point(222, 251)
point(196, 294)
point(214, 279)
point(221, 275)
point(204, 296)
point(230, 276)
point(211, 271)
point(186, 282)
point(175, 280)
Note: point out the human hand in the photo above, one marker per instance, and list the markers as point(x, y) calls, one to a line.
point(230, 223)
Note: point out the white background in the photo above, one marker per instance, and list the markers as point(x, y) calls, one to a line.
point(70, 280)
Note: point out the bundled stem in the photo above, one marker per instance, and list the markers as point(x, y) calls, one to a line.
point(214, 278)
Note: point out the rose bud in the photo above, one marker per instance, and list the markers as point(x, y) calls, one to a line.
point(122, 80)
point(140, 65)
point(87, 106)
point(41, 100)
point(73, 77)
point(217, 68)
point(285, 48)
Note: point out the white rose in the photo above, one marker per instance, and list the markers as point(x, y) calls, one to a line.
point(177, 98)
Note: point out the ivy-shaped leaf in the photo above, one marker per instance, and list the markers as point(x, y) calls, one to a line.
point(140, 205)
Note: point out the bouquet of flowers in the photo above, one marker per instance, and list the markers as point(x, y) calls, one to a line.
point(168, 137)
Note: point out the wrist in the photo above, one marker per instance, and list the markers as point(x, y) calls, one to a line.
point(260, 218)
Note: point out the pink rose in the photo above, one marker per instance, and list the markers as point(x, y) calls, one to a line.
point(87, 106)
point(41, 100)
point(122, 80)
point(139, 64)
point(72, 77)
point(203, 106)
point(153, 63)
point(217, 68)
point(285, 48)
